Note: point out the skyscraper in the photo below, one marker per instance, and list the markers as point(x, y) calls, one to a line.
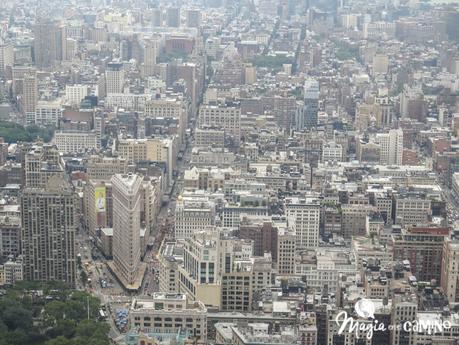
point(306, 213)
point(149, 57)
point(173, 17)
point(30, 93)
point(48, 231)
point(40, 162)
point(47, 43)
point(157, 17)
point(114, 77)
point(6, 56)
point(126, 228)
point(311, 103)
point(193, 18)
point(391, 147)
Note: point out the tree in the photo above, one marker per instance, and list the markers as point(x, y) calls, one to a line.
point(64, 320)
point(64, 328)
point(83, 277)
point(60, 341)
point(54, 311)
point(14, 316)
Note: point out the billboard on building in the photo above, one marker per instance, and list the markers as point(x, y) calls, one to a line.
point(100, 197)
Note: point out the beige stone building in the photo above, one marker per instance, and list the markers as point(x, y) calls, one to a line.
point(168, 313)
point(126, 229)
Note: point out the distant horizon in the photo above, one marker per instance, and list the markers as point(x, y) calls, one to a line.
point(444, 1)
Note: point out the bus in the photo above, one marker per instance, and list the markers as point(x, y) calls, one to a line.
point(102, 315)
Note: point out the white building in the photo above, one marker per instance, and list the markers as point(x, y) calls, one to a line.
point(391, 147)
point(306, 213)
point(169, 313)
point(126, 227)
point(193, 214)
point(199, 275)
point(11, 272)
point(450, 270)
point(74, 94)
point(127, 101)
point(332, 152)
point(48, 112)
point(114, 78)
point(149, 57)
point(76, 141)
point(412, 209)
point(227, 118)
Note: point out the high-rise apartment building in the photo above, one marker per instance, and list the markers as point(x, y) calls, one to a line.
point(126, 229)
point(49, 222)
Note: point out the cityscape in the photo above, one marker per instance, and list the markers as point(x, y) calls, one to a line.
point(229, 172)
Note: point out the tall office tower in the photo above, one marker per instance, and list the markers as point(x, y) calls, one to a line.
point(47, 44)
point(149, 56)
point(173, 17)
point(193, 18)
point(157, 17)
point(126, 189)
point(29, 97)
point(6, 56)
point(114, 77)
point(41, 162)
point(391, 147)
point(306, 213)
point(308, 118)
point(49, 222)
